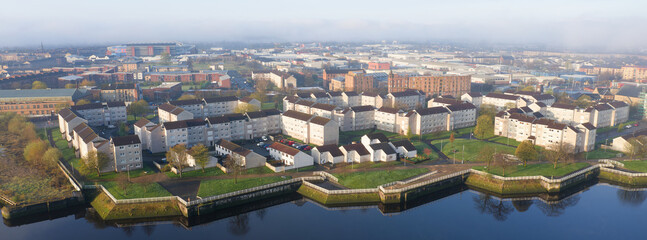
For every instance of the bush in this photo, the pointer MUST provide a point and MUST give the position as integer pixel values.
(166, 168)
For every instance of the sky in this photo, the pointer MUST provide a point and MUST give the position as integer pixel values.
(607, 25)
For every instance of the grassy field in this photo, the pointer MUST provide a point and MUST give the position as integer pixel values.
(208, 172)
(222, 186)
(371, 165)
(446, 134)
(598, 154)
(110, 211)
(136, 190)
(638, 166)
(543, 169)
(376, 178)
(472, 148)
(267, 105)
(303, 169)
(505, 140)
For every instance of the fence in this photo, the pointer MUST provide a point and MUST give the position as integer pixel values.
(428, 182)
(254, 189)
(69, 176)
(410, 180)
(326, 175)
(615, 163)
(345, 191)
(623, 173)
(135, 200)
(7, 200)
(542, 178)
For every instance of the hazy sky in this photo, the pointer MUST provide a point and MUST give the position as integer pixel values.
(619, 24)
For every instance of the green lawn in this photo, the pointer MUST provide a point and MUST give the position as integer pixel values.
(372, 165)
(222, 186)
(136, 190)
(505, 140)
(472, 148)
(376, 178)
(303, 169)
(542, 169)
(214, 171)
(598, 154)
(267, 105)
(638, 166)
(447, 134)
(355, 136)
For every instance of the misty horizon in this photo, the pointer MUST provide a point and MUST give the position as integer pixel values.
(617, 26)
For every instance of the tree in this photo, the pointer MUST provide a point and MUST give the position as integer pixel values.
(123, 129)
(510, 105)
(526, 151)
(187, 97)
(559, 153)
(201, 155)
(96, 161)
(486, 155)
(409, 134)
(70, 85)
(165, 58)
(635, 147)
(501, 160)
(34, 151)
(178, 157)
(138, 108)
(86, 83)
(82, 102)
(51, 157)
(243, 108)
(484, 127)
(583, 101)
(451, 138)
(487, 109)
(123, 183)
(234, 164)
(528, 89)
(38, 85)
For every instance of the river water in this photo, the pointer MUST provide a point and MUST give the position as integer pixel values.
(598, 212)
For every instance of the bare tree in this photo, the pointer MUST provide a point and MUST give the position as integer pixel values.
(235, 164)
(501, 160)
(178, 157)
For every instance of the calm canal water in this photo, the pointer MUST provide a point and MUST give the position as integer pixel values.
(598, 212)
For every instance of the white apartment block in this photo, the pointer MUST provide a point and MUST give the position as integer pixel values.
(410, 99)
(102, 114)
(250, 159)
(474, 98)
(428, 120)
(386, 119)
(462, 115)
(356, 118)
(442, 102)
(502, 101)
(372, 99)
(170, 113)
(544, 132)
(600, 115)
(194, 106)
(127, 152)
(289, 156)
(309, 128)
(217, 106)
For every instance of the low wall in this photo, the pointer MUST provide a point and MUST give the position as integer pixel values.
(17, 211)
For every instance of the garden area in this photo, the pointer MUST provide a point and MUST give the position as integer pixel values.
(373, 179)
(542, 169)
(128, 190)
(637, 166)
(472, 148)
(222, 186)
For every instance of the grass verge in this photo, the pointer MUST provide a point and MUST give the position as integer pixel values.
(542, 169)
(376, 178)
(222, 186)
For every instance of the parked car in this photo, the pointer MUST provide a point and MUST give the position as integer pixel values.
(628, 126)
(260, 144)
(264, 138)
(266, 145)
(283, 140)
(290, 143)
(307, 148)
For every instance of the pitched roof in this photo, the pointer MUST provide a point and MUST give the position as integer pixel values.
(563, 106)
(142, 122)
(284, 148)
(125, 140)
(522, 117)
(351, 94)
(618, 104)
(404, 143)
(502, 96)
(183, 123)
(334, 94)
(362, 108)
(319, 120)
(87, 106)
(245, 99)
(333, 149)
(461, 107)
(588, 126)
(257, 114)
(447, 101)
(320, 95)
(116, 104)
(388, 110)
(406, 93)
(357, 147)
(379, 136)
(384, 147)
(324, 106)
(221, 99)
(186, 102)
(233, 147)
(167, 107)
(271, 112)
(297, 115)
(543, 97)
(433, 110)
(602, 107)
(303, 95)
(526, 109)
(629, 91)
(305, 103)
(475, 94)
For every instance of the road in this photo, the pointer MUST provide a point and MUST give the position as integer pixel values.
(610, 135)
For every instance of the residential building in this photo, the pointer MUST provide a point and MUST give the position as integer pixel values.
(290, 157)
(217, 106)
(405, 100)
(405, 149)
(170, 113)
(356, 118)
(358, 81)
(264, 122)
(309, 128)
(428, 120)
(372, 99)
(504, 101)
(194, 106)
(475, 98)
(621, 143)
(246, 103)
(442, 102)
(385, 119)
(327, 154)
(67, 121)
(249, 158)
(127, 152)
(120, 93)
(355, 152)
(462, 115)
(454, 85)
(102, 114)
(351, 99)
(164, 92)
